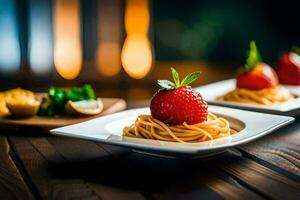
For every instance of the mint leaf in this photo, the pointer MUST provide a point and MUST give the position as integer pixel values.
(296, 50)
(253, 57)
(175, 77)
(168, 85)
(190, 78)
(165, 84)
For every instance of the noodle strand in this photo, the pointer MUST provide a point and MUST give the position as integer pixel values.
(268, 96)
(147, 127)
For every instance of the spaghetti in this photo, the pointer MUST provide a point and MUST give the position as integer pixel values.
(147, 127)
(268, 96)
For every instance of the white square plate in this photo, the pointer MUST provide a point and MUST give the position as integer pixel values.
(210, 93)
(108, 129)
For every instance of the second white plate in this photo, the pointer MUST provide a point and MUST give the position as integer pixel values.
(210, 93)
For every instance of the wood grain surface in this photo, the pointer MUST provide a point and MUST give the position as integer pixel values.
(111, 105)
(262, 179)
(280, 150)
(71, 173)
(12, 184)
(90, 170)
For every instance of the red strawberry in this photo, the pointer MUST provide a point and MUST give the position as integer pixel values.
(256, 75)
(260, 77)
(177, 103)
(288, 69)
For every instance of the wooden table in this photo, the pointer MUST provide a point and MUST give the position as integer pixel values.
(39, 166)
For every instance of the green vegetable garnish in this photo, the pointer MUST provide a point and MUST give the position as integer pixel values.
(253, 57)
(88, 91)
(58, 97)
(46, 108)
(168, 85)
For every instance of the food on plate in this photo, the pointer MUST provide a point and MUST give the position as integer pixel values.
(18, 92)
(85, 107)
(288, 69)
(74, 101)
(257, 83)
(77, 101)
(23, 106)
(18, 102)
(3, 108)
(179, 114)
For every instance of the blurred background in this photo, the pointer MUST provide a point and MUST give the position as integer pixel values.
(123, 47)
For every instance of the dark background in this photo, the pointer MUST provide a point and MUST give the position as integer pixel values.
(220, 31)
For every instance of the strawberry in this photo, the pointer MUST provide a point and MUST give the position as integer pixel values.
(260, 77)
(288, 69)
(256, 75)
(177, 103)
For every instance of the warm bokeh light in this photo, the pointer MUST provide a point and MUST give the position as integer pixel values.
(67, 47)
(108, 58)
(137, 17)
(136, 54)
(108, 52)
(10, 55)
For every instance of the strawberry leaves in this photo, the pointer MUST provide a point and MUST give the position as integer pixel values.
(190, 78)
(253, 57)
(175, 77)
(168, 85)
(296, 50)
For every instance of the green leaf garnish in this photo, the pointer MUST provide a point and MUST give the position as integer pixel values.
(253, 57)
(175, 77)
(190, 78)
(57, 98)
(168, 85)
(296, 49)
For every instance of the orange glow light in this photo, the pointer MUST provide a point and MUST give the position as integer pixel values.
(136, 54)
(108, 60)
(137, 17)
(67, 47)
